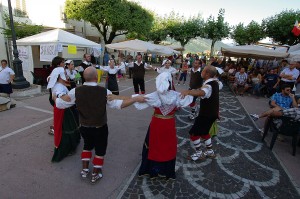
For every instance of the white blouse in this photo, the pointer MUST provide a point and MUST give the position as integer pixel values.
(111, 70)
(165, 102)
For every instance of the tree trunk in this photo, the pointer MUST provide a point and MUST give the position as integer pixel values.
(212, 48)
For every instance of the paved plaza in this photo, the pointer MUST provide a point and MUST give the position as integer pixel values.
(244, 167)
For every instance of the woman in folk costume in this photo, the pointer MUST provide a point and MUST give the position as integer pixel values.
(160, 147)
(71, 73)
(167, 67)
(66, 137)
(111, 81)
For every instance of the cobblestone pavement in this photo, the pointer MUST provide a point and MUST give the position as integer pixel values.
(244, 167)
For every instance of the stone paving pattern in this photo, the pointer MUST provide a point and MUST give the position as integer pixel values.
(244, 167)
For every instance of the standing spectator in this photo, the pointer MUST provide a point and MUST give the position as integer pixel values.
(289, 75)
(130, 64)
(184, 70)
(240, 81)
(138, 74)
(7, 75)
(106, 58)
(271, 81)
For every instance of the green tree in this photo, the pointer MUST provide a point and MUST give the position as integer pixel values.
(22, 29)
(250, 34)
(239, 34)
(217, 29)
(185, 30)
(279, 27)
(111, 17)
(158, 30)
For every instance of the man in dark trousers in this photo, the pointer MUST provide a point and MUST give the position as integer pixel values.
(195, 83)
(138, 74)
(208, 113)
(91, 101)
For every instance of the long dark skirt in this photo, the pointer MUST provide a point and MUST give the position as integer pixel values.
(112, 84)
(70, 136)
(154, 168)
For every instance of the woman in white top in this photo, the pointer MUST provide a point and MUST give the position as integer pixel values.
(6, 77)
(111, 80)
(71, 73)
(66, 136)
(167, 67)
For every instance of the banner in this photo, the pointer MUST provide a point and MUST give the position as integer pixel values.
(24, 57)
(72, 49)
(48, 52)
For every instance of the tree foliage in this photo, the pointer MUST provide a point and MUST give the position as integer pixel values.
(22, 29)
(279, 27)
(111, 17)
(216, 29)
(250, 34)
(176, 27)
(185, 30)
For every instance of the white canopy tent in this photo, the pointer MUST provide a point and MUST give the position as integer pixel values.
(142, 46)
(30, 49)
(57, 36)
(251, 51)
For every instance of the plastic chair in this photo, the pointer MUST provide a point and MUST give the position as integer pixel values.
(288, 128)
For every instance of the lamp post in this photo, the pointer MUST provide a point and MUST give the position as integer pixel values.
(19, 80)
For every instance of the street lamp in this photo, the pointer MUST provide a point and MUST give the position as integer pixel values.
(19, 80)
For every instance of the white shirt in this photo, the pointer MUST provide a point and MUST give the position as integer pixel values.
(288, 71)
(129, 64)
(145, 65)
(63, 104)
(70, 74)
(207, 88)
(110, 70)
(5, 74)
(59, 90)
(171, 70)
(165, 102)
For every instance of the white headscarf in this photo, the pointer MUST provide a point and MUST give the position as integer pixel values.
(167, 97)
(57, 72)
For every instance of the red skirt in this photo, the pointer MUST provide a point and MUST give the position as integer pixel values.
(162, 137)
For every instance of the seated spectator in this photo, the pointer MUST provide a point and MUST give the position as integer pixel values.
(241, 81)
(280, 101)
(256, 80)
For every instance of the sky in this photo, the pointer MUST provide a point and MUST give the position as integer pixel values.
(236, 11)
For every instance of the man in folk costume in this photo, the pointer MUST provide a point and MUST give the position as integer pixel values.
(208, 113)
(195, 83)
(138, 74)
(86, 63)
(66, 137)
(91, 101)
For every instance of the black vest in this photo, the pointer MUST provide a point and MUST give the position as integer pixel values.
(91, 105)
(209, 107)
(196, 79)
(138, 71)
